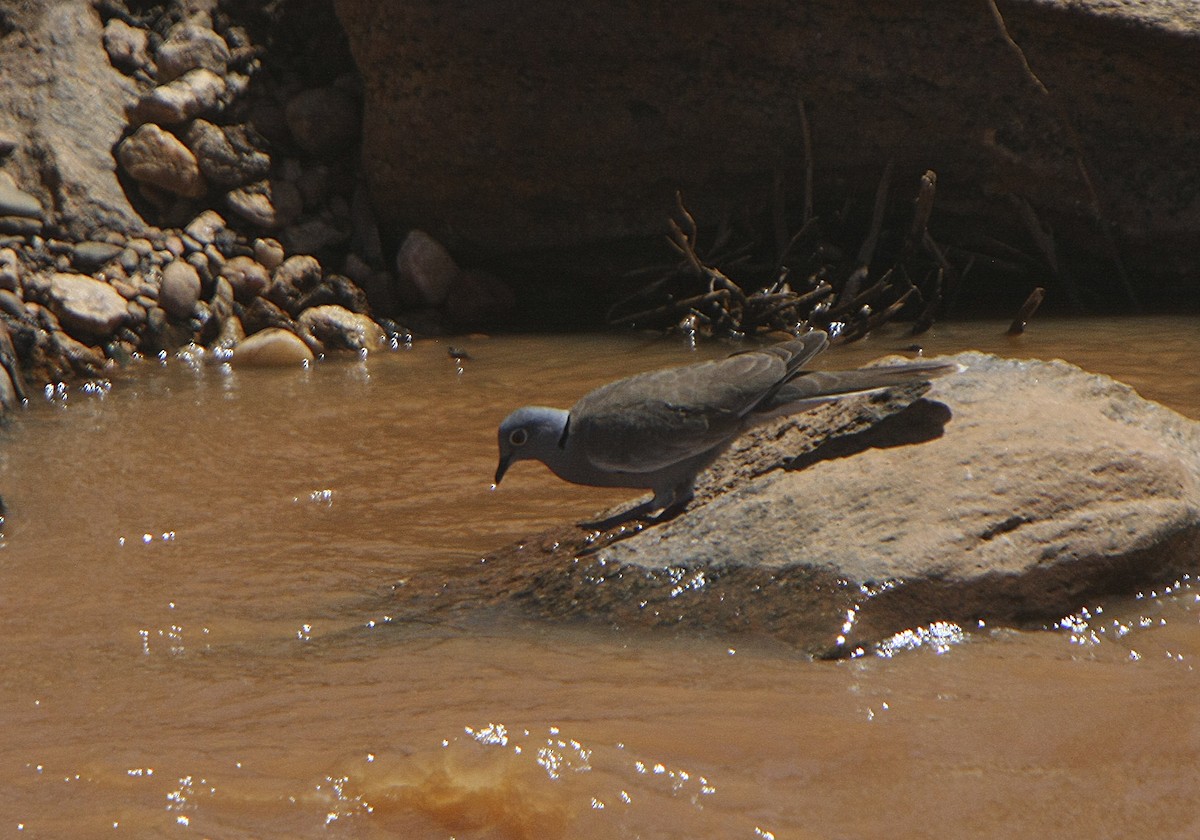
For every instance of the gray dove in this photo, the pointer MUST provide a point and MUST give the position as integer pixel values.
(658, 430)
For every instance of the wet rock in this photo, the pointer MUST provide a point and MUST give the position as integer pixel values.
(89, 257)
(180, 290)
(206, 227)
(272, 347)
(424, 270)
(1013, 493)
(127, 46)
(16, 202)
(336, 327)
(269, 252)
(228, 156)
(192, 94)
(189, 46)
(156, 157)
(261, 313)
(477, 299)
(323, 121)
(246, 277)
(266, 204)
(337, 290)
(88, 309)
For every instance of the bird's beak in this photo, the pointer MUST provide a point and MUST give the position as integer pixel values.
(502, 468)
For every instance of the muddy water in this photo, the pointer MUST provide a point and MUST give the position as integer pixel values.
(195, 640)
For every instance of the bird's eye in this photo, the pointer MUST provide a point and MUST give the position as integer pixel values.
(518, 437)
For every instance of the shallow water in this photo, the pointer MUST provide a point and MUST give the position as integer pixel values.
(195, 574)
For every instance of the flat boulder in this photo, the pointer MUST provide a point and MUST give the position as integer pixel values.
(1013, 493)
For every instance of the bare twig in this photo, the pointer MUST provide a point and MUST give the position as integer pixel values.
(1026, 312)
(1076, 143)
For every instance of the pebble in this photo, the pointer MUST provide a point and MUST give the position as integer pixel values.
(425, 270)
(301, 272)
(194, 93)
(14, 201)
(266, 204)
(180, 290)
(189, 46)
(338, 327)
(269, 253)
(155, 156)
(323, 121)
(10, 270)
(87, 308)
(205, 227)
(88, 257)
(247, 279)
(127, 46)
(272, 347)
(227, 156)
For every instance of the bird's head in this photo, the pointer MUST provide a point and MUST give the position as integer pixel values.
(533, 432)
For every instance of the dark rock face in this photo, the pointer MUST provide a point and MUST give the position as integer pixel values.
(524, 125)
(1012, 493)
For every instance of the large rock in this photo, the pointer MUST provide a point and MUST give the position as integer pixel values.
(65, 104)
(1012, 493)
(575, 125)
(155, 156)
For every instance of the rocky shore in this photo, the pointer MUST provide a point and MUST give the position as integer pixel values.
(164, 182)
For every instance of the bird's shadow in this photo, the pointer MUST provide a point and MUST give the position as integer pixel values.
(920, 422)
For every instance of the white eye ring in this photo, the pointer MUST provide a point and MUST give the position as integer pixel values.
(518, 437)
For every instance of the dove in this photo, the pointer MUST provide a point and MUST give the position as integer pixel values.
(659, 430)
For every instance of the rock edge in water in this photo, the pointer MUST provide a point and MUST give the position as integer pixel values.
(1013, 493)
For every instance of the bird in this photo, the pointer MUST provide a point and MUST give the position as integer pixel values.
(659, 430)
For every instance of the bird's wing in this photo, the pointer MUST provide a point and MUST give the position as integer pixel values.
(651, 421)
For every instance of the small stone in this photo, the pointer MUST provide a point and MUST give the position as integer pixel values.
(156, 157)
(272, 347)
(90, 256)
(16, 202)
(246, 277)
(87, 308)
(261, 313)
(10, 270)
(142, 246)
(194, 93)
(189, 46)
(12, 305)
(301, 272)
(269, 253)
(126, 46)
(180, 290)
(425, 270)
(323, 121)
(205, 227)
(227, 155)
(267, 204)
(129, 259)
(337, 327)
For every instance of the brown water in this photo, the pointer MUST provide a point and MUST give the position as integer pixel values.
(194, 637)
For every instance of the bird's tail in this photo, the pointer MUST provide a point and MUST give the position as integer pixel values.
(815, 387)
